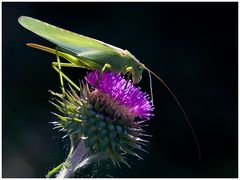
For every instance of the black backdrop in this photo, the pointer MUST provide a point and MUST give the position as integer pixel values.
(192, 46)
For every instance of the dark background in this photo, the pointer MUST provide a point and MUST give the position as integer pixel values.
(192, 46)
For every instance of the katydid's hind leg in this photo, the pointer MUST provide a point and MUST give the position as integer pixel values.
(57, 66)
(66, 78)
(65, 65)
(101, 72)
(60, 74)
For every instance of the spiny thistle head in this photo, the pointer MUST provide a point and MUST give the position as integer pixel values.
(107, 117)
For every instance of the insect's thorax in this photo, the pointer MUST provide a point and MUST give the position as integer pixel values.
(119, 61)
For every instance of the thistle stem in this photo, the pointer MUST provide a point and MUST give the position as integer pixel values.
(72, 161)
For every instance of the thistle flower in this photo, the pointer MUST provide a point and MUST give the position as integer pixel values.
(130, 98)
(105, 121)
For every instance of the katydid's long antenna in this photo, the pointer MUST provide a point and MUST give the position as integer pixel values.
(186, 117)
(150, 81)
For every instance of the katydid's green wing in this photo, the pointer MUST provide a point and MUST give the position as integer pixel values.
(65, 39)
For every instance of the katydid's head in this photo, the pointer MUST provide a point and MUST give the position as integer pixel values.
(137, 73)
(137, 67)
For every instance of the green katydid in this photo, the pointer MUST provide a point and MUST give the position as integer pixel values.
(85, 52)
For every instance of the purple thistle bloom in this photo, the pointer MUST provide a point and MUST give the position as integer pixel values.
(103, 121)
(132, 98)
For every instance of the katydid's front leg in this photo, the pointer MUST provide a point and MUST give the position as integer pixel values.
(129, 71)
(101, 72)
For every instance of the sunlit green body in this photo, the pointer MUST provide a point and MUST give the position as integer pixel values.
(90, 53)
